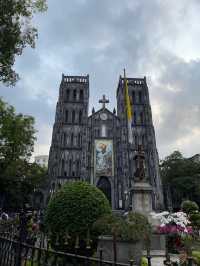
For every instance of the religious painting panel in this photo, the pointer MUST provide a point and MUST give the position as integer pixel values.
(103, 157)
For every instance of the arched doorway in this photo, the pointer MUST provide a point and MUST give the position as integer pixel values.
(105, 186)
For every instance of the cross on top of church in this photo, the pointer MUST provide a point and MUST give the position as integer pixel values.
(104, 101)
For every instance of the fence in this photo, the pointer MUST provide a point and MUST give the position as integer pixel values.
(14, 253)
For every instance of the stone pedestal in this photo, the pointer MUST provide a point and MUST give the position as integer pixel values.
(126, 250)
(142, 202)
(158, 242)
(141, 195)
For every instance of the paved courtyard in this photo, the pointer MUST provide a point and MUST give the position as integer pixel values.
(158, 257)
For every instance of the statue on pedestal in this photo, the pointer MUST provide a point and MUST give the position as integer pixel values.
(141, 190)
(140, 165)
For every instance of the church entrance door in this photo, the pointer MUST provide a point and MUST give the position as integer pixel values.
(105, 186)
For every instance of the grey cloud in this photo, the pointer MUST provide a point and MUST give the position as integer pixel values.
(101, 38)
(177, 89)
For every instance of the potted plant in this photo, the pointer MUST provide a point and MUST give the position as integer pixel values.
(177, 227)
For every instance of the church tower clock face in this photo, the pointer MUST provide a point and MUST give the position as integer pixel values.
(103, 116)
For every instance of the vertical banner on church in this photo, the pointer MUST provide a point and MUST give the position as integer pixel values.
(103, 157)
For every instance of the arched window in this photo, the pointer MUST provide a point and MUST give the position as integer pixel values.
(66, 116)
(72, 139)
(135, 118)
(143, 140)
(141, 118)
(133, 96)
(64, 139)
(62, 167)
(67, 95)
(79, 139)
(73, 116)
(103, 130)
(70, 167)
(136, 141)
(80, 116)
(140, 97)
(81, 95)
(77, 167)
(89, 146)
(74, 95)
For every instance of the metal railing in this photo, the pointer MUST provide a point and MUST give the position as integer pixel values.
(14, 253)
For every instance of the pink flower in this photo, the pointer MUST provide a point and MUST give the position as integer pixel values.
(174, 229)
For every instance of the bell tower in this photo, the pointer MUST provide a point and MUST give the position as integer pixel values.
(67, 157)
(143, 136)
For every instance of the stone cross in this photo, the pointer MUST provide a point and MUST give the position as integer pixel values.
(104, 101)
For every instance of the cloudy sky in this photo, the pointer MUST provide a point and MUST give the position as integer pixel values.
(159, 39)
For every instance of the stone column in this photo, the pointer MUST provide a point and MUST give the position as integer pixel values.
(141, 197)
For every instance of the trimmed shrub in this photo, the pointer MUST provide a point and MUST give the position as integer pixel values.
(189, 206)
(111, 224)
(74, 208)
(195, 219)
(139, 227)
(135, 226)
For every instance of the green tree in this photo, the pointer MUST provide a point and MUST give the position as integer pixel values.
(192, 210)
(181, 179)
(16, 33)
(18, 177)
(20, 186)
(189, 207)
(17, 136)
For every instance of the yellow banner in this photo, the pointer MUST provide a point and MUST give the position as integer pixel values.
(128, 109)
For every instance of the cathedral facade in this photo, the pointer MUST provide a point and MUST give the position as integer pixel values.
(95, 148)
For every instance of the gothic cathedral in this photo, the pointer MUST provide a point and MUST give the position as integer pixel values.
(95, 147)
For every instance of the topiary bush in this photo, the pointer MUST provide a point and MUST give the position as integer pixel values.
(135, 226)
(192, 210)
(111, 224)
(139, 227)
(74, 209)
(189, 206)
